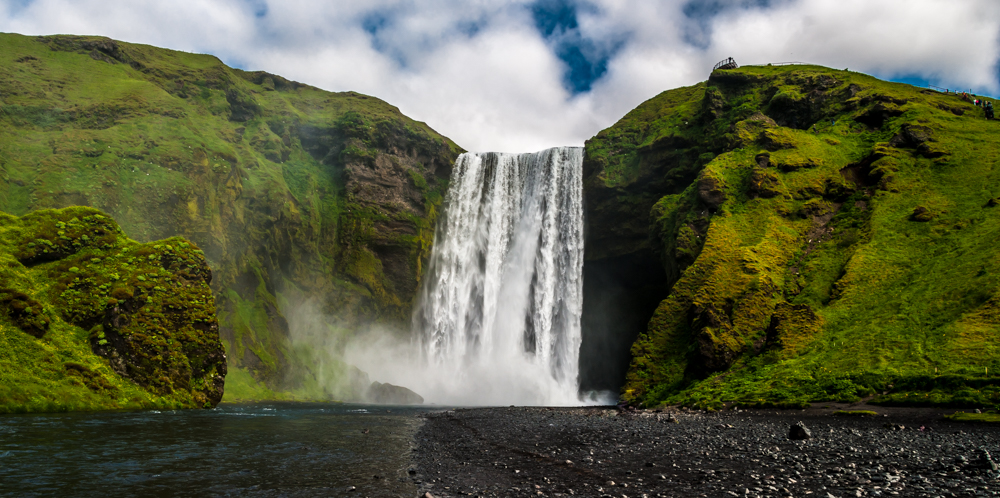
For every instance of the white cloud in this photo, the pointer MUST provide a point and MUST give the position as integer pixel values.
(954, 43)
(479, 72)
(182, 25)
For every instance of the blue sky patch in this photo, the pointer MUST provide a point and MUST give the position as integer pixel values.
(553, 17)
(913, 79)
(377, 23)
(586, 60)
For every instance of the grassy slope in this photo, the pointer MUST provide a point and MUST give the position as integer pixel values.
(90, 319)
(797, 280)
(264, 174)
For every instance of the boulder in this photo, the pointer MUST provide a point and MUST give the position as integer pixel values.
(388, 394)
(799, 431)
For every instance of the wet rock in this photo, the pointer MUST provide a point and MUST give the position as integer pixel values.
(388, 394)
(799, 432)
(358, 383)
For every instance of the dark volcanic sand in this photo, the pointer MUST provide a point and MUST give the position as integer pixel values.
(604, 452)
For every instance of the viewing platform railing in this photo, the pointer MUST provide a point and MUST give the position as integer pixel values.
(729, 63)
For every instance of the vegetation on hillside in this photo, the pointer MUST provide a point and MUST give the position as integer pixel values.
(296, 195)
(826, 235)
(90, 319)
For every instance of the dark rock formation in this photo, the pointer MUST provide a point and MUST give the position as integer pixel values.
(388, 394)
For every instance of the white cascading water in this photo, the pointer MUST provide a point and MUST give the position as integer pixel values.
(498, 319)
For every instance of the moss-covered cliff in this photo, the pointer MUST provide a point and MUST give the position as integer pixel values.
(90, 319)
(823, 235)
(295, 194)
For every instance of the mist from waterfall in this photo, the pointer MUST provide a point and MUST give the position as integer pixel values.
(498, 318)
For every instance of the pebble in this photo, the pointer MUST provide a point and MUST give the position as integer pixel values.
(476, 450)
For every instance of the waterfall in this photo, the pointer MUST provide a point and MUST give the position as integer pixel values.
(498, 316)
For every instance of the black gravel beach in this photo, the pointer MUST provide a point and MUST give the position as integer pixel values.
(603, 451)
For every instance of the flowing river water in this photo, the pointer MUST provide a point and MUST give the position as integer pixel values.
(265, 449)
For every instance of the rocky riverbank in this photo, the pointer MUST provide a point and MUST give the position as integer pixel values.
(605, 452)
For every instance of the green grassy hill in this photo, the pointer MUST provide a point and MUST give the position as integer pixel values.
(825, 236)
(295, 194)
(90, 319)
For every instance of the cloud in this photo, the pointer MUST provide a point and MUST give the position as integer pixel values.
(525, 75)
(954, 44)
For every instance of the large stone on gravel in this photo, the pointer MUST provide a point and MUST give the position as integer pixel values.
(986, 461)
(388, 394)
(799, 431)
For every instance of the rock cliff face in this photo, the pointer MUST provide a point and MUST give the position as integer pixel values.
(818, 235)
(296, 195)
(90, 319)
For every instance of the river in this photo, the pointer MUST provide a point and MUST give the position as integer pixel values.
(263, 449)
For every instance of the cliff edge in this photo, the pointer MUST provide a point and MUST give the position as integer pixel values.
(822, 235)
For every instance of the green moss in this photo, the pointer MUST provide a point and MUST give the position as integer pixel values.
(799, 270)
(242, 386)
(987, 417)
(855, 413)
(259, 171)
(93, 320)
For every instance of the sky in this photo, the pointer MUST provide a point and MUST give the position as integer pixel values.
(521, 76)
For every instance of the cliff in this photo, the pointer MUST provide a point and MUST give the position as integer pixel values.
(818, 235)
(90, 319)
(299, 198)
